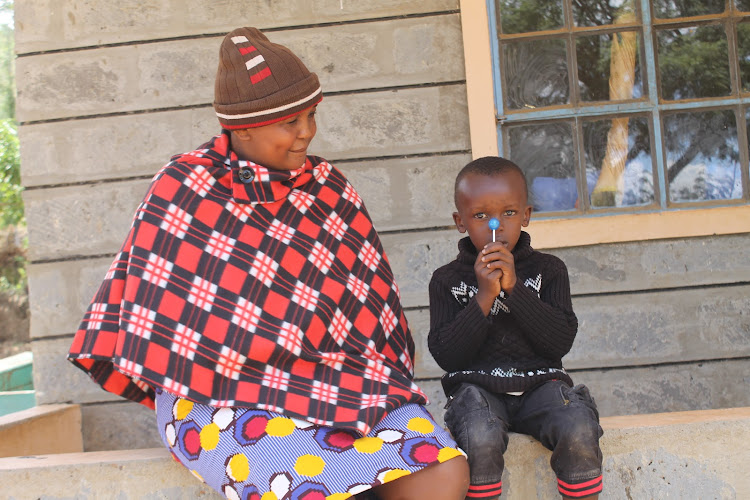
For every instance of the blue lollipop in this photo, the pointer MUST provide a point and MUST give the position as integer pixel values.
(494, 224)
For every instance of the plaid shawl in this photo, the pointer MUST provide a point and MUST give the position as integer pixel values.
(239, 285)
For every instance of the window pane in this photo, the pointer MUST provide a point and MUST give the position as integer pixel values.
(545, 153)
(599, 13)
(703, 159)
(743, 53)
(743, 5)
(686, 8)
(522, 16)
(693, 62)
(619, 166)
(609, 67)
(535, 73)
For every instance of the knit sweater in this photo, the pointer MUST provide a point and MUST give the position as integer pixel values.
(521, 342)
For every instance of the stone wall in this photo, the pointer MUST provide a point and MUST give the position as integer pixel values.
(108, 91)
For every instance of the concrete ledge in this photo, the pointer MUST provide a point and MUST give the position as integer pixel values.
(44, 429)
(695, 454)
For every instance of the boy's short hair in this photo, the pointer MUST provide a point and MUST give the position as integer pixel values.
(489, 166)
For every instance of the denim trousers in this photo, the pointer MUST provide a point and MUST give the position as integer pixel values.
(563, 418)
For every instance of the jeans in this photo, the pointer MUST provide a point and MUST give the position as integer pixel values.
(564, 419)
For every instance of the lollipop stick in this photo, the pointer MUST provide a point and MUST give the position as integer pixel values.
(494, 224)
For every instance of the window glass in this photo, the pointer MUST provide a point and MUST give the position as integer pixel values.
(693, 62)
(609, 66)
(523, 16)
(600, 13)
(743, 53)
(687, 8)
(625, 105)
(703, 160)
(619, 165)
(536, 73)
(545, 152)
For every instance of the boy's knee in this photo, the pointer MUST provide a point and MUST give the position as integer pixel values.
(478, 431)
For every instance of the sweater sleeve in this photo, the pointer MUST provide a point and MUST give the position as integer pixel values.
(547, 319)
(457, 331)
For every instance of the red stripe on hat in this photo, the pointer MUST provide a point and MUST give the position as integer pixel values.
(247, 50)
(268, 122)
(260, 75)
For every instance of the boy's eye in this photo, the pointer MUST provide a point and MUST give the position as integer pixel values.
(480, 215)
(509, 213)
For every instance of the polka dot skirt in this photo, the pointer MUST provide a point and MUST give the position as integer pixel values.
(250, 454)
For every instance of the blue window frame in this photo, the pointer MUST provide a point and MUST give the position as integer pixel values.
(624, 105)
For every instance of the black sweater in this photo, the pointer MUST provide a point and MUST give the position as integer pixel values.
(522, 341)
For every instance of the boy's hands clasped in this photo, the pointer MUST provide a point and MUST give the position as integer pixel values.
(496, 271)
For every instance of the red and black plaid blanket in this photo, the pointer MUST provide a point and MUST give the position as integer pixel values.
(243, 286)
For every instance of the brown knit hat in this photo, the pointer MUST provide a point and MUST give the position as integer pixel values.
(259, 82)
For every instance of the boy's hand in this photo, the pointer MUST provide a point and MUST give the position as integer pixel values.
(496, 271)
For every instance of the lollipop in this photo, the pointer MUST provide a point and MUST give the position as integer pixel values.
(494, 224)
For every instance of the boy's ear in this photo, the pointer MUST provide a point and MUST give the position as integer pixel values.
(526, 216)
(459, 224)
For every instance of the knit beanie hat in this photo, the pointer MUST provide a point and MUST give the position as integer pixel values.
(259, 82)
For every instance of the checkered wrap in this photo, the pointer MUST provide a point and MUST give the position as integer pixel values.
(273, 294)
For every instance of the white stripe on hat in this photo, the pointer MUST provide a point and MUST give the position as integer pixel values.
(239, 39)
(254, 62)
(270, 111)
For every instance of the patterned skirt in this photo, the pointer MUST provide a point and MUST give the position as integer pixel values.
(247, 454)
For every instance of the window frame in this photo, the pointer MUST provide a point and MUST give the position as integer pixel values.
(589, 229)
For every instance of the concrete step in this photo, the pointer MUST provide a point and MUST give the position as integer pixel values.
(41, 430)
(695, 454)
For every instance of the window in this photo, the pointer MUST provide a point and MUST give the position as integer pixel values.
(662, 155)
(624, 105)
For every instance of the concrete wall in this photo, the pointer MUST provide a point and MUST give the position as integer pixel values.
(108, 91)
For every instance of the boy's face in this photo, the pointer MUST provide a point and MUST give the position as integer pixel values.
(481, 197)
(281, 145)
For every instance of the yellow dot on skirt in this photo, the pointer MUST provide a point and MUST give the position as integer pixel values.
(368, 444)
(448, 453)
(419, 424)
(309, 465)
(394, 474)
(280, 426)
(210, 436)
(269, 496)
(339, 496)
(182, 408)
(238, 469)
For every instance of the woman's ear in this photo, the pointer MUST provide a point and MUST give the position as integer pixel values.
(242, 134)
(459, 223)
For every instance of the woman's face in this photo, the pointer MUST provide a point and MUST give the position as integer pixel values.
(281, 145)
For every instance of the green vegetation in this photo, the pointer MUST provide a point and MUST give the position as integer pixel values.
(12, 222)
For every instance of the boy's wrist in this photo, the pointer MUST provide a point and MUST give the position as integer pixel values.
(484, 301)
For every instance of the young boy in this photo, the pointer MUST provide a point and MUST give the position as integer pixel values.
(501, 319)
